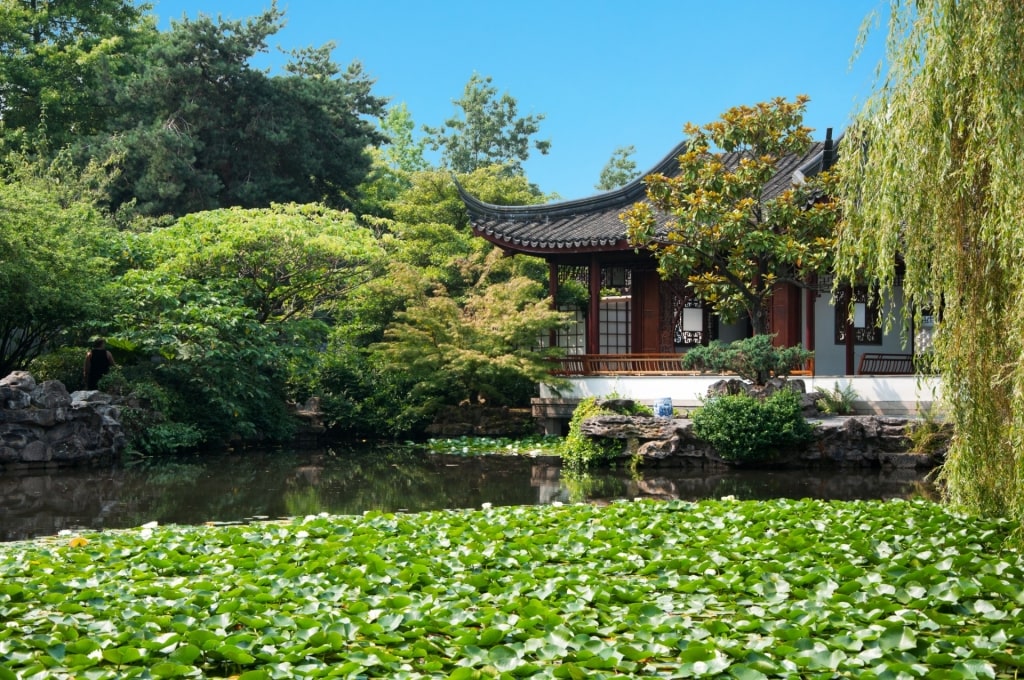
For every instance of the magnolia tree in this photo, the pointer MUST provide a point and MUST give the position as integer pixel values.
(726, 238)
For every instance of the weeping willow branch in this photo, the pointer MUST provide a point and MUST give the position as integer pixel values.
(931, 174)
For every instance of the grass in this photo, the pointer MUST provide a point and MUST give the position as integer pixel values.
(747, 590)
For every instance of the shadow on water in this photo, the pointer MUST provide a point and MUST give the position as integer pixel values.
(238, 487)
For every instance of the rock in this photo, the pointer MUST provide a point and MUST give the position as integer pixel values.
(838, 440)
(41, 424)
(19, 380)
(51, 394)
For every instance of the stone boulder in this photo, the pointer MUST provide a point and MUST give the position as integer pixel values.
(41, 424)
(857, 441)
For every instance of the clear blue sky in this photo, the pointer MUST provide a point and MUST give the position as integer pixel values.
(604, 74)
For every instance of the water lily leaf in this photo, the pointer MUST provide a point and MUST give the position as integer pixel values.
(899, 638)
(122, 655)
(235, 654)
(167, 669)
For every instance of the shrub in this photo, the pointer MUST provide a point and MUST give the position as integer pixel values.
(754, 359)
(580, 451)
(838, 401)
(744, 428)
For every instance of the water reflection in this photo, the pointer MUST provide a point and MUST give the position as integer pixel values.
(237, 487)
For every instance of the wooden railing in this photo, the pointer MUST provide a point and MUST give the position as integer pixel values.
(631, 364)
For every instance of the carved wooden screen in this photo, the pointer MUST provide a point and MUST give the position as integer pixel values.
(864, 306)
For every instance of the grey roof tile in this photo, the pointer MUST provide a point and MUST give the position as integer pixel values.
(592, 224)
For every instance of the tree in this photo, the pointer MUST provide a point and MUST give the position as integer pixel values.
(199, 129)
(730, 241)
(489, 131)
(619, 171)
(932, 177)
(283, 262)
(402, 152)
(235, 303)
(472, 350)
(56, 261)
(56, 58)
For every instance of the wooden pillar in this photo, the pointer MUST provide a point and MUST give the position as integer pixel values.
(851, 340)
(553, 292)
(810, 298)
(594, 311)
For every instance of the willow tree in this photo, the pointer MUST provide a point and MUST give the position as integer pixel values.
(932, 176)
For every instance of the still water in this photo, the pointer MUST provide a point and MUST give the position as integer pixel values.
(238, 487)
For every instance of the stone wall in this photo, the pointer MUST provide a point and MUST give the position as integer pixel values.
(838, 440)
(42, 425)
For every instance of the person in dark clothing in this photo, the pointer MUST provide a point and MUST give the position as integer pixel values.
(98, 361)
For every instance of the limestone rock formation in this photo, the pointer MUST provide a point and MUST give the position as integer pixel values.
(41, 424)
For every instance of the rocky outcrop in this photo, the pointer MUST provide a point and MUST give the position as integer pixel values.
(41, 424)
(838, 440)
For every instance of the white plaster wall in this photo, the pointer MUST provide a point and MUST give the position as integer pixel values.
(830, 358)
(896, 395)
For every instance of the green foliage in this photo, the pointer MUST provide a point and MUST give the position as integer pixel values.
(744, 428)
(63, 364)
(196, 127)
(838, 401)
(935, 181)
(475, 349)
(284, 262)
(730, 243)
(488, 131)
(929, 435)
(755, 359)
(56, 61)
(580, 451)
(148, 414)
(619, 171)
(798, 588)
(57, 254)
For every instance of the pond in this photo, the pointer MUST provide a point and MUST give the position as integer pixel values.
(237, 487)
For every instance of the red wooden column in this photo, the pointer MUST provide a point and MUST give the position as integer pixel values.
(553, 292)
(594, 311)
(810, 298)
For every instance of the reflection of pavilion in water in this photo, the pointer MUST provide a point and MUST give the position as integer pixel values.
(547, 479)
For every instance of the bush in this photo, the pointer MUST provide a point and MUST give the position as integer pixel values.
(837, 401)
(580, 451)
(744, 428)
(754, 359)
(63, 364)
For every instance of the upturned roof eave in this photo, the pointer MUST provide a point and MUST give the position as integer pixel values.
(625, 195)
(554, 247)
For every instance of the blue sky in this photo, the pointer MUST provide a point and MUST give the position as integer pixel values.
(604, 74)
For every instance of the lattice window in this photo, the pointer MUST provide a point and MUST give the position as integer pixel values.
(571, 299)
(689, 321)
(616, 329)
(866, 328)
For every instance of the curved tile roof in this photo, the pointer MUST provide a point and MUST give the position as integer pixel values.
(592, 224)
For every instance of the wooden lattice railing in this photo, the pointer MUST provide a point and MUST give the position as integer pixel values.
(629, 364)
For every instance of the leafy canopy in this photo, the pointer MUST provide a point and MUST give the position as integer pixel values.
(56, 60)
(714, 226)
(935, 179)
(57, 256)
(619, 171)
(197, 128)
(488, 131)
(285, 261)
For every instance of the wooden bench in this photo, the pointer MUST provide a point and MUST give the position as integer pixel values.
(886, 364)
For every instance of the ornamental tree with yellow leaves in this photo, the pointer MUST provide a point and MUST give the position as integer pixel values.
(713, 224)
